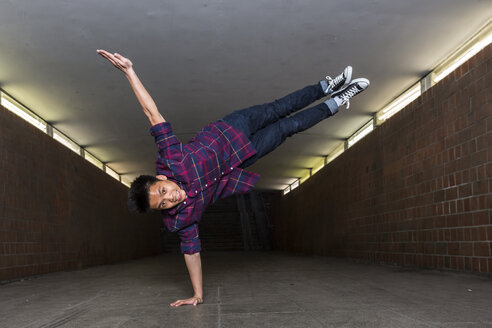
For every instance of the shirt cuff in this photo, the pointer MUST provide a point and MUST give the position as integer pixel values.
(191, 247)
(160, 129)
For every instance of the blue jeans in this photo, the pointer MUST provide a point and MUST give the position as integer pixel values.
(267, 125)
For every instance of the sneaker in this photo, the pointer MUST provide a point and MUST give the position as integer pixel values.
(332, 85)
(343, 96)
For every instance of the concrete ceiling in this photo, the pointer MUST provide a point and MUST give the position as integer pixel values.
(201, 59)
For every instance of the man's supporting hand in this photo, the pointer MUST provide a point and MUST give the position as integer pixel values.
(190, 301)
(194, 265)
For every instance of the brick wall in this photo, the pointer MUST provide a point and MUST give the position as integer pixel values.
(417, 191)
(58, 211)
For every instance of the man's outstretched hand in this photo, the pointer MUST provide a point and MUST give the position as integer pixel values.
(120, 62)
(190, 301)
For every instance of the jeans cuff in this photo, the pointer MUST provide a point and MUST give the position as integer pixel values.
(332, 106)
(324, 86)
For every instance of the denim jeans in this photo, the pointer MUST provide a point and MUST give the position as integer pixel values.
(267, 125)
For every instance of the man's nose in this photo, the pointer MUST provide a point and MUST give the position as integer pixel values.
(168, 196)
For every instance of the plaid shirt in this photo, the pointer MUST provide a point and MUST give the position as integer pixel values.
(206, 168)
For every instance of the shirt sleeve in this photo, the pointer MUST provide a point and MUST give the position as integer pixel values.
(190, 241)
(168, 145)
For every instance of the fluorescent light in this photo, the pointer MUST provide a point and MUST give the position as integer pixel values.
(125, 181)
(64, 140)
(365, 130)
(111, 172)
(470, 53)
(319, 166)
(89, 157)
(476, 43)
(335, 153)
(399, 103)
(294, 185)
(22, 112)
(286, 190)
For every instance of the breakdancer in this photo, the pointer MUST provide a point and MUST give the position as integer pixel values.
(211, 165)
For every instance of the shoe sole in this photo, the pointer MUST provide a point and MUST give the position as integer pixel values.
(349, 75)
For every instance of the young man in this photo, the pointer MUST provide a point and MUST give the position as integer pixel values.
(210, 166)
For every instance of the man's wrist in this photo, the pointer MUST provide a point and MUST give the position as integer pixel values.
(130, 72)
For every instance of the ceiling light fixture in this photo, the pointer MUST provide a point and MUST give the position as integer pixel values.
(476, 43)
(93, 160)
(22, 112)
(111, 172)
(399, 103)
(64, 140)
(365, 130)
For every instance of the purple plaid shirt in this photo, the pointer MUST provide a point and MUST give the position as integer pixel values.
(206, 168)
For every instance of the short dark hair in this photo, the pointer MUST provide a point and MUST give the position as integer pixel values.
(138, 195)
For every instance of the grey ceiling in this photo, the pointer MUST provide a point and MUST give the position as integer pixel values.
(201, 59)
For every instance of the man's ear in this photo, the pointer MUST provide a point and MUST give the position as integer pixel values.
(161, 177)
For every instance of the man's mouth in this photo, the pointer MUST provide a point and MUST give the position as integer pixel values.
(177, 196)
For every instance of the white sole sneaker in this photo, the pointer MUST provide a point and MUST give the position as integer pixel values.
(339, 81)
(354, 88)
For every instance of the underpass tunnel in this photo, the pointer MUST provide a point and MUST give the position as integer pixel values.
(379, 217)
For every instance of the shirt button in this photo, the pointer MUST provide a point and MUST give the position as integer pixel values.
(206, 185)
(196, 191)
(215, 179)
(184, 203)
(232, 168)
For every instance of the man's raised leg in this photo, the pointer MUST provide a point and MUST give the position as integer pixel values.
(255, 118)
(270, 137)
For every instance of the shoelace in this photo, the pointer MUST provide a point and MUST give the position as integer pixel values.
(349, 93)
(334, 82)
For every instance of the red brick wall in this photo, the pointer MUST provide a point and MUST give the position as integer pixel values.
(417, 191)
(58, 211)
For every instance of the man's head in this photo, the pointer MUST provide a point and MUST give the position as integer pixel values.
(157, 193)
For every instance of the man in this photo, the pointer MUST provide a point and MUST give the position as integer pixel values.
(210, 166)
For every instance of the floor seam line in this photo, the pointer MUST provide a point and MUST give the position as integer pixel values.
(219, 315)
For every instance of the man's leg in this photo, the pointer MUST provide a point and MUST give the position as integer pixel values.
(255, 118)
(270, 137)
(251, 119)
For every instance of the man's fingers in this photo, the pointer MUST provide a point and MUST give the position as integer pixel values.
(107, 55)
(119, 62)
(103, 52)
(116, 59)
(113, 60)
(177, 303)
(191, 301)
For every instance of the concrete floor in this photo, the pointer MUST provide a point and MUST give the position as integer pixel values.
(249, 290)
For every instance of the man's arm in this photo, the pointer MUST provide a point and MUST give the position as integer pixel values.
(144, 98)
(194, 265)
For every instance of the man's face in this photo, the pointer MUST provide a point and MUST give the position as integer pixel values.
(165, 194)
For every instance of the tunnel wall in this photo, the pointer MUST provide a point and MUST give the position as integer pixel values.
(58, 211)
(417, 191)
